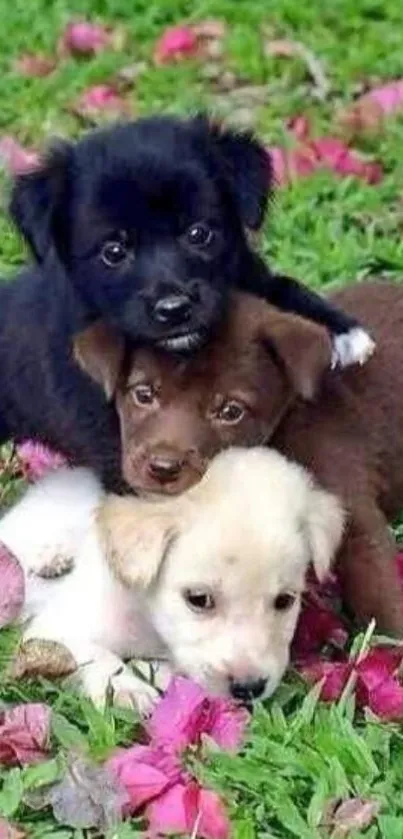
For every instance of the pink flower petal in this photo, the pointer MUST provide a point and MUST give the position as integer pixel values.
(176, 43)
(24, 734)
(317, 626)
(36, 460)
(186, 712)
(378, 665)
(15, 158)
(34, 65)
(189, 809)
(12, 587)
(82, 37)
(99, 101)
(388, 96)
(386, 700)
(334, 673)
(145, 772)
(11, 831)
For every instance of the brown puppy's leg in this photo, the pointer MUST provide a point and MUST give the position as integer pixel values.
(368, 571)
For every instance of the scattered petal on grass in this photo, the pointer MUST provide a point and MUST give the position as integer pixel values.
(101, 102)
(309, 155)
(81, 37)
(24, 734)
(369, 111)
(87, 797)
(15, 158)
(36, 460)
(12, 587)
(318, 626)
(126, 77)
(353, 815)
(191, 810)
(186, 713)
(34, 65)
(334, 675)
(176, 43)
(11, 831)
(145, 772)
(202, 40)
(295, 49)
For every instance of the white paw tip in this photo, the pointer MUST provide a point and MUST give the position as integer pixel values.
(353, 347)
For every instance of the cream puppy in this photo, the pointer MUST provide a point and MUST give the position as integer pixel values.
(209, 581)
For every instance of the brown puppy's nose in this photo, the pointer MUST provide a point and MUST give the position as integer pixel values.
(164, 469)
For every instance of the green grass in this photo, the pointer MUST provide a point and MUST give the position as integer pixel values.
(326, 231)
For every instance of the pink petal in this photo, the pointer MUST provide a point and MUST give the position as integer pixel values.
(176, 43)
(15, 158)
(387, 700)
(12, 587)
(24, 734)
(102, 99)
(334, 673)
(186, 712)
(389, 96)
(36, 460)
(335, 155)
(145, 772)
(378, 665)
(82, 37)
(318, 626)
(189, 809)
(11, 831)
(34, 65)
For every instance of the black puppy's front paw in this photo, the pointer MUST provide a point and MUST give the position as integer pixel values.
(353, 347)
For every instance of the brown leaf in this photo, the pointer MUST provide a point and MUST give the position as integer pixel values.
(285, 48)
(11, 831)
(39, 657)
(24, 733)
(34, 64)
(88, 796)
(127, 77)
(352, 815)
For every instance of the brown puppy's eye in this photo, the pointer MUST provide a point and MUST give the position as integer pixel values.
(231, 412)
(200, 235)
(144, 394)
(114, 253)
(199, 600)
(284, 601)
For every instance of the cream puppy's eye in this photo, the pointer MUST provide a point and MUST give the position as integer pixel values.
(284, 601)
(199, 599)
(144, 395)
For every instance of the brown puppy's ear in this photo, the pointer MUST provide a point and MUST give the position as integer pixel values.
(301, 347)
(136, 536)
(99, 351)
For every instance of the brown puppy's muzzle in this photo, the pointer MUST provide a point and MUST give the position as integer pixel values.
(165, 470)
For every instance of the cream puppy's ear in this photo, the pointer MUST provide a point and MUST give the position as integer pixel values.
(324, 528)
(136, 535)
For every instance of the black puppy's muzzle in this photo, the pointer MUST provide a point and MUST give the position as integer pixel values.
(173, 310)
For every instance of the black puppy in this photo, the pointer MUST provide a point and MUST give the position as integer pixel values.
(144, 225)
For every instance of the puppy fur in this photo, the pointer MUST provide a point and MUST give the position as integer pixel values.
(209, 581)
(142, 224)
(265, 378)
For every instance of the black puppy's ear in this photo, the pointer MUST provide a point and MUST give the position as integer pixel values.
(247, 167)
(36, 198)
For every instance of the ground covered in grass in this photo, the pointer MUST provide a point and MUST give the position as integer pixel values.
(307, 769)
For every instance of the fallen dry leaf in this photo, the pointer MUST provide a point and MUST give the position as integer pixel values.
(127, 77)
(34, 64)
(39, 657)
(12, 587)
(87, 797)
(353, 815)
(24, 733)
(101, 103)
(284, 48)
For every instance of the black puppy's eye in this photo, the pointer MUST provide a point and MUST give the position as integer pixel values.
(199, 235)
(144, 394)
(199, 600)
(231, 412)
(284, 601)
(114, 253)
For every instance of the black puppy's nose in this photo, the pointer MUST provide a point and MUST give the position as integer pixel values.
(173, 310)
(247, 691)
(164, 470)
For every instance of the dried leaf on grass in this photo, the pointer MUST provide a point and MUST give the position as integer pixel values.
(35, 65)
(11, 831)
(285, 48)
(39, 657)
(24, 733)
(352, 815)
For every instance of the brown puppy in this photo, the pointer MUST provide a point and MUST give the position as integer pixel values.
(258, 381)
